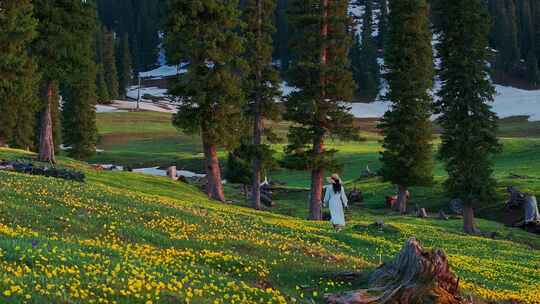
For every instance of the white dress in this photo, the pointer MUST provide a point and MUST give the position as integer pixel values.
(336, 201)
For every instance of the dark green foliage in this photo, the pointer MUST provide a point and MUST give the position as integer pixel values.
(211, 95)
(79, 115)
(281, 37)
(526, 31)
(18, 79)
(383, 23)
(317, 106)
(407, 156)
(363, 54)
(320, 69)
(109, 64)
(536, 14)
(141, 21)
(102, 89)
(237, 169)
(261, 83)
(469, 126)
(533, 73)
(506, 35)
(125, 71)
(66, 57)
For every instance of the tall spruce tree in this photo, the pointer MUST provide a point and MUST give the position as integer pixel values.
(102, 89)
(365, 67)
(320, 70)
(533, 73)
(469, 126)
(17, 73)
(506, 35)
(383, 23)
(205, 34)
(125, 70)
(407, 156)
(79, 114)
(63, 49)
(262, 83)
(526, 30)
(109, 63)
(142, 21)
(281, 37)
(536, 9)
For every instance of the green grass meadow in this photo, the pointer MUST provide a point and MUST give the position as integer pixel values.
(124, 237)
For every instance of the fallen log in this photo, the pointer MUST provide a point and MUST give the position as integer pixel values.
(414, 276)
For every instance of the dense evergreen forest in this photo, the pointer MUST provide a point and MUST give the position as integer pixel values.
(514, 37)
(140, 21)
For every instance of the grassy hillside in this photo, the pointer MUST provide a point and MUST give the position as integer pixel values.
(129, 238)
(144, 139)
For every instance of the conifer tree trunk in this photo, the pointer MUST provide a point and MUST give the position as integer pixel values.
(257, 126)
(468, 219)
(257, 167)
(213, 171)
(2, 142)
(46, 142)
(401, 203)
(317, 175)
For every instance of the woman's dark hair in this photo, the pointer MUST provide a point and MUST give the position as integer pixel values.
(337, 186)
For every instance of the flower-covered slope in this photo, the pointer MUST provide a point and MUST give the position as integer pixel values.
(130, 238)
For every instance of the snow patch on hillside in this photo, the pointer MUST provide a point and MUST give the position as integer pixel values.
(508, 102)
(164, 71)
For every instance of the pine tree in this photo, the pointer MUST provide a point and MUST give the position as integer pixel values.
(407, 156)
(142, 21)
(365, 67)
(204, 34)
(62, 49)
(536, 9)
(125, 72)
(469, 125)
(109, 64)
(533, 73)
(17, 73)
(383, 24)
(79, 115)
(320, 69)
(526, 31)
(505, 35)
(262, 82)
(102, 89)
(281, 37)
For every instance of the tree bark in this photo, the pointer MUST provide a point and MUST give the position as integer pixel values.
(2, 142)
(257, 125)
(401, 203)
(468, 219)
(317, 175)
(46, 140)
(414, 276)
(213, 172)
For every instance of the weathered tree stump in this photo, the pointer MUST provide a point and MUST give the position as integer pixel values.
(531, 210)
(171, 173)
(414, 276)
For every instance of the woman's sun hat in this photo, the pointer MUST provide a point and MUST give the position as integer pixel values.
(333, 179)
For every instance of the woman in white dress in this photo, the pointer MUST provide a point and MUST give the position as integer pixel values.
(335, 198)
